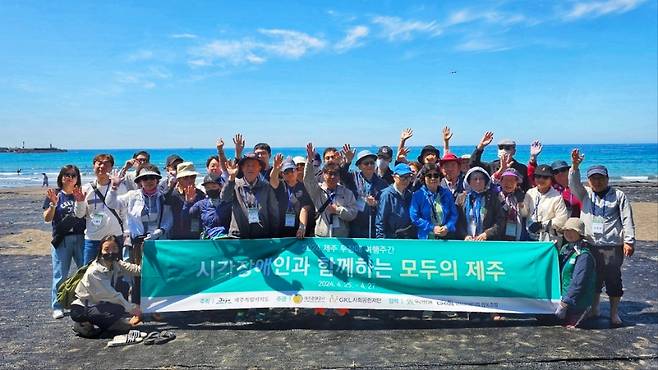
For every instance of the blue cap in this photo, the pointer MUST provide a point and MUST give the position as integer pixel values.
(559, 165)
(402, 169)
(288, 164)
(597, 170)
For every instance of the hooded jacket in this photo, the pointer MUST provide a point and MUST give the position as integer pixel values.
(422, 203)
(494, 218)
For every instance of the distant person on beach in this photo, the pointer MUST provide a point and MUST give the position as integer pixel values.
(18, 171)
(609, 229)
(139, 159)
(68, 230)
(505, 146)
(184, 226)
(546, 209)
(393, 220)
(100, 306)
(45, 180)
(480, 215)
(91, 204)
(366, 186)
(294, 202)
(335, 206)
(433, 209)
(513, 200)
(578, 274)
(560, 178)
(255, 209)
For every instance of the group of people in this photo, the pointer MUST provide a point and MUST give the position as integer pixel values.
(337, 193)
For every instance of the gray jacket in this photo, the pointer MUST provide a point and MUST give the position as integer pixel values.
(260, 195)
(614, 208)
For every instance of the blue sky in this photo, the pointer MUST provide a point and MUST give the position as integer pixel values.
(89, 74)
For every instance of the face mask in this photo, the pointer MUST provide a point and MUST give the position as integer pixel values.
(501, 152)
(214, 193)
(382, 163)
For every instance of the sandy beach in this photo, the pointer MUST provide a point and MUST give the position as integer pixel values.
(23, 232)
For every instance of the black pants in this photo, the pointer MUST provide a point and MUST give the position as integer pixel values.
(102, 315)
(608, 269)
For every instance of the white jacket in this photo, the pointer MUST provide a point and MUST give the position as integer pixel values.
(550, 210)
(96, 285)
(133, 203)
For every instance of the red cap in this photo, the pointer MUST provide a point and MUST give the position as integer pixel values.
(449, 157)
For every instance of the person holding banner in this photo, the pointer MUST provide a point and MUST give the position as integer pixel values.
(366, 186)
(609, 228)
(432, 209)
(334, 204)
(480, 215)
(294, 202)
(393, 220)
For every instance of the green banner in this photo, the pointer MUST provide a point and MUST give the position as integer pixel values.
(434, 275)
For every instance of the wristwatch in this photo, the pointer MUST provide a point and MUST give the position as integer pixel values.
(52, 205)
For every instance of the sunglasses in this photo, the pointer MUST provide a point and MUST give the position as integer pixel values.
(368, 163)
(288, 171)
(542, 177)
(432, 175)
(71, 175)
(329, 157)
(405, 177)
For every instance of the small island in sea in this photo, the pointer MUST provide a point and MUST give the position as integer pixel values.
(23, 149)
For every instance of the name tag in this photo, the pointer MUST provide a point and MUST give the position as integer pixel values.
(510, 229)
(597, 227)
(253, 215)
(97, 219)
(290, 220)
(361, 204)
(336, 223)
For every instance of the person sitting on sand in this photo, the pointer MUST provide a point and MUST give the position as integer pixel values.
(609, 229)
(68, 230)
(99, 306)
(578, 273)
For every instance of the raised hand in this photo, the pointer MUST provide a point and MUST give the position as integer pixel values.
(52, 195)
(487, 138)
(402, 154)
(535, 150)
(406, 134)
(220, 145)
(505, 161)
(348, 153)
(78, 195)
(190, 193)
(576, 158)
(310, 152)
(278, 161)
(129, 163)
(232, 169)
(239, 142)
(115, 178)
(447, 134)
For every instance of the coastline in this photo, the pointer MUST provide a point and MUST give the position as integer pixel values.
(23, 232)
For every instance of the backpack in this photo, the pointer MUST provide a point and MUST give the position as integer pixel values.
(66, 291)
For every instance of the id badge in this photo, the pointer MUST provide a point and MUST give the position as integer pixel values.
(361, 204)
(336, 223)
(253, 215)
(290, 220)
(97, 219)
(597, 226)
(510, 229)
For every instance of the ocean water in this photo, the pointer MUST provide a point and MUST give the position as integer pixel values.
(625, 162)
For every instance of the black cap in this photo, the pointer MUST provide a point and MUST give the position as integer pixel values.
(544, 170)
(429, 149)
(557, 166)
(172, 159)
(597, 170)
(212, 179)
(385, 151)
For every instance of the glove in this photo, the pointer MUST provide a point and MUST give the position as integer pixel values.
(534, 227)
(561, 312)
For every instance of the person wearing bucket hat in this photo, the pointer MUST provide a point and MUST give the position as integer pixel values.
(512, 199)
(211, 212)
(255, 209)
(393, 220)
(384, 158)
(366, 186)
(506, 147)
(609, 229)
(480, 215)
(546, 209)
(185, 191)
(453, 179)
(433, 210)
(148, 216)
(335, 206)
(294, 202)
(429, 154)
(578, 274)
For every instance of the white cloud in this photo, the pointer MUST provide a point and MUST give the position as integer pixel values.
(183, 36)
(280, 43)
(593, 9)
(147, 79)
(352, 39)
(481, 45)
(491, 16)
(140, 55)
(394, 28)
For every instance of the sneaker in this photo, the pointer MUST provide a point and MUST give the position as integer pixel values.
(58, 313)
(427, 315)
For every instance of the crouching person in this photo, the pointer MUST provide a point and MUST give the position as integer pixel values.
(578, 272)
(100, 306)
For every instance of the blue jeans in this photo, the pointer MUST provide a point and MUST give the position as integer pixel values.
(69, 248)
(91, 248)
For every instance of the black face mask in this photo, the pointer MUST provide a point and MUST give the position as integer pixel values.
(111, 256)
(213, 193)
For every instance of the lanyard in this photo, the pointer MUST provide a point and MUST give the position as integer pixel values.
(593, 205)
(363, 186)
(104, 195)
(432, 198)
(535, 211)
(248, 196)
(290, 197)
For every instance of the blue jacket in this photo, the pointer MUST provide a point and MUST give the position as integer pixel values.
(393, 214)
(212, 217)
(421, 211)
